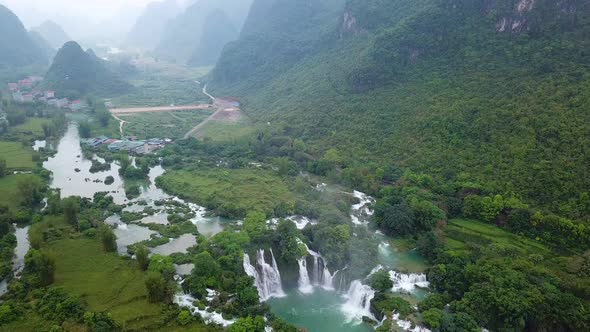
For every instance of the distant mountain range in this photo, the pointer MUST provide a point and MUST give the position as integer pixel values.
(53, 33)
(183, 36)
(18, 48)
(75, 73)
(149, 27)
(218, 30)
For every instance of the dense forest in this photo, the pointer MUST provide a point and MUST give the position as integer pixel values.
(387, 165)
(445, 109)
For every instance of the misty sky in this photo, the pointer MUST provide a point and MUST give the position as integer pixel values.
(94, 9)
(83, 20)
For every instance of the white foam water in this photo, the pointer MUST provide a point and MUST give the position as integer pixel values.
(407, 282)
(358, 302)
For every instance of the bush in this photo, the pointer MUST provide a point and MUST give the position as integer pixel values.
(108, 238)
(184, 318)
(432, 318)
(381, 281)
(7, 315)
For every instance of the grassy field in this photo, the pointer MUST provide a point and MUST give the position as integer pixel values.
(462, 232)
(107, 282)
(33, 127)
(17, 156)
(9, 189)
(219, 131)
(231, 193)
(159, 84)
(163, 125)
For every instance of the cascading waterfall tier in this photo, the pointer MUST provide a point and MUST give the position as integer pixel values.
(361, 212)
(305, 285)
(320, 274)
(267, 277)
(358, 302)
(407, 283)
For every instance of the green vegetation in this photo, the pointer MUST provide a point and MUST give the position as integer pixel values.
(172, 125)
(86, 271)
(32, 127)
(219, 131)
(17, 156)
(75, 73)
(161, 84)
(10, 188)
(231, 193)
(19, 49)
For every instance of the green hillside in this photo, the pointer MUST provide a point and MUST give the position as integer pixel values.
(18, 49)
(217, 32)
(76, 73)
(470, 103)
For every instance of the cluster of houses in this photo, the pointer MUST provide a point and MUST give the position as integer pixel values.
(24, 92)
(127, 144)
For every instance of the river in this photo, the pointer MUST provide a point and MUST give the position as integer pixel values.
(18, 262)
(317, 309)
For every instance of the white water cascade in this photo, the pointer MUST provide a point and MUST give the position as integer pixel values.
(407, 282)
(267, 278)
(186, 301)
(358, 302)
(320, 274)
(362, 211)
(305, 285)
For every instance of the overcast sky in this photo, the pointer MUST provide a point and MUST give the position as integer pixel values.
(94, 9)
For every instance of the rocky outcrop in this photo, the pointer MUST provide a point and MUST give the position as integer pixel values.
(350, 25)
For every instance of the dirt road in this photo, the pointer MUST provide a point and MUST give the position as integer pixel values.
(159, 109)
(223, 113)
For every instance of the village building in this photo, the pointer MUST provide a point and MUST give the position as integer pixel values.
(61, 103)
(26, 83)
(76, 105)
(49, 94)
(28, 98)
(13, 87)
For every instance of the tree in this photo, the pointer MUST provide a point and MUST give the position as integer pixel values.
(29, 189)
(432, 318)
(142, 256)
(158, 288)
(255, 226)
(85, 129)
(394, 219)
(458, 322)
(103, 117)
(163, 265)
(381, 281)
(248, 324)
(41, 266)
(71, 206)
(3, 168)
(286, 235)
(108, 238)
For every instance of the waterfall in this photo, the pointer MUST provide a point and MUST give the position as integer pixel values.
(406, 325)
(358, 302)
(407, 282)
(186, 301)
(267, 278)
(361, 212)
(328, 278)
(305, 286)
